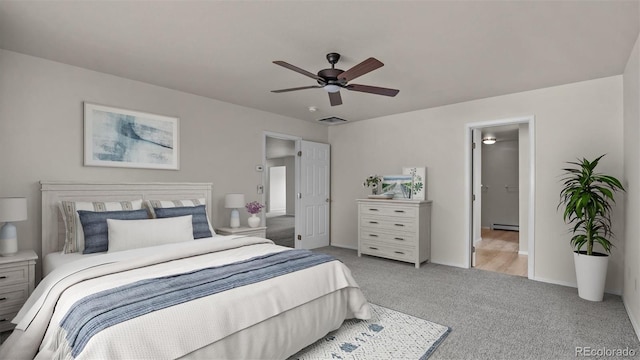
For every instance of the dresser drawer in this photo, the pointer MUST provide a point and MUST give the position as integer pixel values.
(395, 239)
(387, 210)
(14, 275)
(388, 224)
(391, 252)
(6, 315)
(14, 295)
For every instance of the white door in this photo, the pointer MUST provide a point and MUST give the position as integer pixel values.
(477, 191)
(312, 217)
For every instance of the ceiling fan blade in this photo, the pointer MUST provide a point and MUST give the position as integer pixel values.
(297, 88)
(372, 89)
(364, 67)
(335, 99)
(298, 70)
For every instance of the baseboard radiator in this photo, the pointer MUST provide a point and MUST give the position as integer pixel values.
(505, 227)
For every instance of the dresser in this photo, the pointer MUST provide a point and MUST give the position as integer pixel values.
(246, 231)
(395, 229)
(17, 280)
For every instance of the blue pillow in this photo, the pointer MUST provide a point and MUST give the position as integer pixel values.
(96, 232)
(198, 218)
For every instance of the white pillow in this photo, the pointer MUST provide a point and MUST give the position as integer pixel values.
(133, 234)
(74, 239)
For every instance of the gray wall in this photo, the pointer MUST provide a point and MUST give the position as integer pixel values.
(631, 248)
(580, 119)
(41, 134)
(499, 171)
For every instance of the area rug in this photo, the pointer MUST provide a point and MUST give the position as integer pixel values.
(387, 335)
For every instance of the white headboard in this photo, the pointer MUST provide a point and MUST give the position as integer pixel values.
(55, 191)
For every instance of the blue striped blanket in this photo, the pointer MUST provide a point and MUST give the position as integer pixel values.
(107, 308)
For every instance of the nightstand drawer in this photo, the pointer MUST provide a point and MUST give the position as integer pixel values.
(14, 275)
(12, 296)
(388, 210)
(6, 315)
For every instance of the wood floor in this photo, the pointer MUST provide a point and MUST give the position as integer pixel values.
(498, 251)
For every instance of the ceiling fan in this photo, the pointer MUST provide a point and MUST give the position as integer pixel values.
(332, 80)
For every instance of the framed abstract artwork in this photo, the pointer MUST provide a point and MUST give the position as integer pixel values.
(419, 182)
(125, 138)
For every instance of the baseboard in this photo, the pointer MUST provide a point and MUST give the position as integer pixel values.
(573, 285)
(634, 322)
(345, 246)
(523, 253)
(449, 264)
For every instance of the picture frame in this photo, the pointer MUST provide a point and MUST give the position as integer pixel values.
(116, 137)
(419, 181)
(398, 185)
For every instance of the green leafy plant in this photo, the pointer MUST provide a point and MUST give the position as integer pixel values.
(587, 197)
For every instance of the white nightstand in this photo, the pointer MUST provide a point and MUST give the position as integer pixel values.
(17, 280)
(248, 231)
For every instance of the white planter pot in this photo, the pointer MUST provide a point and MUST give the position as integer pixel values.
(591, 273)
(253, 220)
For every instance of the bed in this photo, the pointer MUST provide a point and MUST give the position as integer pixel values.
(216, 297)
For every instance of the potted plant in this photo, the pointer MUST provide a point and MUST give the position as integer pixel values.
(253, 208)
(587, 196)
(373, 182)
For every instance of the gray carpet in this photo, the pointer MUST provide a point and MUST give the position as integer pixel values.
(493, 316)
(281, 229)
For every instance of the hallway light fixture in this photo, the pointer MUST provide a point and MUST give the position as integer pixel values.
(489, 140)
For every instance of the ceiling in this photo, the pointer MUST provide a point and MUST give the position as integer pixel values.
(435, 52)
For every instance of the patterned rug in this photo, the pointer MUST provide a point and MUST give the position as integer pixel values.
(387, 335)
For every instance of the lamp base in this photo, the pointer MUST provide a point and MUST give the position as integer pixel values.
(8, 240)
(235, 219)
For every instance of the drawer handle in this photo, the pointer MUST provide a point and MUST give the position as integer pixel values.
(3, 299)
(373, 235)
(398, 224)
(373, 222)
(373, 248)
(399, 252)
(374, 210)
(3, 320)
(399, 239)
(2, 277)
(400, 211)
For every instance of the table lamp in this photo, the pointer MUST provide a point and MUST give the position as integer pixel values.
(234, 201)
(11, 210)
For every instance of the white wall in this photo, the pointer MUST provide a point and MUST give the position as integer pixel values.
(581, 119)
(41, 134)
(499, 171)
(631, 181)
(523, 180)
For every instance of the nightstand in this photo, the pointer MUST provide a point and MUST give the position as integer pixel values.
(17, 280)
(247, 231)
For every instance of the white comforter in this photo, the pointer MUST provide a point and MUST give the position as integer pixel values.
(189, 328)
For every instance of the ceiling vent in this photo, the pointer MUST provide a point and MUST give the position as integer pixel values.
(332, 120)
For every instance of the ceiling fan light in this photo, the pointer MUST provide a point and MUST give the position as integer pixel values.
(331, 88)
(489, 140)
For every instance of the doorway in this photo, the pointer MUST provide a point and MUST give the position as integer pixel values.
(499, 246)
(501, 191)
(280, 190)
(297, 206)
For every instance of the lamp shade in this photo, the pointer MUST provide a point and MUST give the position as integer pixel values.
(234, 201)
(13, 209)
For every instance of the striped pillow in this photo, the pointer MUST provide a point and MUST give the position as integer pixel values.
(74, 238)
(164, 204)
(96, 232)
(200, 223)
